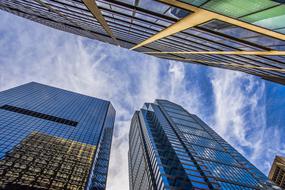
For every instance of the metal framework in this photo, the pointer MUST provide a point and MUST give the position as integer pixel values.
(200, 16)
(91, 5)
(281, 53)
(191, 20)
(234, 34)
(229, 64)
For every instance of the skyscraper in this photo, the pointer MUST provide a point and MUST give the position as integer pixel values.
(170, 148)
(53, 139)
(277, 171)
(243, 35)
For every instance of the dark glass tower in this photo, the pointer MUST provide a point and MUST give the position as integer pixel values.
(243, 35)
(170, 148)
(53, 139)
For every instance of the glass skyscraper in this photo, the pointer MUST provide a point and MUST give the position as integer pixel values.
(53, 139)
(243, 35)
(170, 148)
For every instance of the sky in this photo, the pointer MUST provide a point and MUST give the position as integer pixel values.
(246, 111)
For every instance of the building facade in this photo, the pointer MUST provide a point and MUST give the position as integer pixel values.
(243, 35)
(170, 148)
(277, 171)
(53, 139)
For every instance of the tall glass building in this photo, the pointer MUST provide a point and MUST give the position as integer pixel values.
(170, 148)
(243, 35)
(53, 139)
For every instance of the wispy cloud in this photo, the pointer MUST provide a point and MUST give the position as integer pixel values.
(31, 52)
(240, 117)
(127, 79)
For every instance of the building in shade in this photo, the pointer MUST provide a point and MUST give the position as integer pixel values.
(53, 139)
(170, 148)
(243, 35)
(277, 171)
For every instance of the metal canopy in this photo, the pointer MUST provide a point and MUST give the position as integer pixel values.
(240, 35)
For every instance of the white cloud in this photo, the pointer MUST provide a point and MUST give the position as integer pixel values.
(240, 117)
(127, 79)
(31, 52)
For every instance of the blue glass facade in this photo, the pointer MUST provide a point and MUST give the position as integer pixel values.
(173, 149)
(53, 139)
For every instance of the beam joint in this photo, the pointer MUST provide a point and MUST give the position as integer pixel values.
(200, 16)
(96, 12)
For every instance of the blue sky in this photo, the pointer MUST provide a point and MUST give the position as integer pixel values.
(245, 110)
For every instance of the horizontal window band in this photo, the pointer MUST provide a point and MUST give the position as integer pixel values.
(39, 115)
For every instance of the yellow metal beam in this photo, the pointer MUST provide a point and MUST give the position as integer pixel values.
(187, 22)
(93, 8)
(201, 16)
(278, 53)
(227, 19)
(244, 66)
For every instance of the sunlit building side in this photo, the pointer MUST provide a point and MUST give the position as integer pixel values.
(277, 171)
(53, 139)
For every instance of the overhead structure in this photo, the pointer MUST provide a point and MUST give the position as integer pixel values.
(93, 8)
(247, 36)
